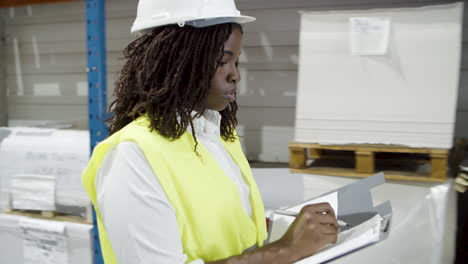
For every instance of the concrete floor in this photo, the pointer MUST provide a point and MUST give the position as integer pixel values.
(260, 164)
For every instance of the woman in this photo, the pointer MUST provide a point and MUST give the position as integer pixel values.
(171, 184)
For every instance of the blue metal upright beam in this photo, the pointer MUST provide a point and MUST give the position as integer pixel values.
(97, 85)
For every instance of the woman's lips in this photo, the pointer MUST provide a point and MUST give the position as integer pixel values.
(230, 97)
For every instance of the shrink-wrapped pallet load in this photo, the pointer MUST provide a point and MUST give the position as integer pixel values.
(32, 241)
(379, 76)
(40, 169)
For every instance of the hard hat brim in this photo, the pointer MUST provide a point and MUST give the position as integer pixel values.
(201, 22)
(206, 22)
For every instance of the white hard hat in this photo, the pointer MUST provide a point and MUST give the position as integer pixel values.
(196, 13)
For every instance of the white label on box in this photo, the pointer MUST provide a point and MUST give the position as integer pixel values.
(33, 192)
(44, 242)
(369, 35)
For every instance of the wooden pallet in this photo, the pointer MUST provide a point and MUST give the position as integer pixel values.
(364, 159)
(51, 215)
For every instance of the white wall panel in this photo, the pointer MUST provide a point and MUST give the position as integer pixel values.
(267, 89)
(47, 111)
(267, 144)
(269, 63)
(335, 4)
(69, 84)
(52, 36)
(252, 57)
(266, 132)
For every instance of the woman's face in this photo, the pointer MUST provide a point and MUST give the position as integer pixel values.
(224, 83)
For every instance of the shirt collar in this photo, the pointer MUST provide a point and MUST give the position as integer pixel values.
(207, 124)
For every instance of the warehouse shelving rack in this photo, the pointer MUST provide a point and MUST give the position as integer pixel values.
(97, 86)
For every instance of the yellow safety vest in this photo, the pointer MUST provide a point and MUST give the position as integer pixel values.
(211, 221)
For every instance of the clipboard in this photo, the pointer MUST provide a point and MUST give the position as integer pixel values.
(354, 206)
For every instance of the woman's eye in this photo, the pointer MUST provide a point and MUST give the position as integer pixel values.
(222, 63)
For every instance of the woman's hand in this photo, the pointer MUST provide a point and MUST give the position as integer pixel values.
(314, 227)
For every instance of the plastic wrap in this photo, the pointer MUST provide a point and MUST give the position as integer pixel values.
(78, 241)
(423, 229)
(33, 192)
(373, 78)
(61, 154)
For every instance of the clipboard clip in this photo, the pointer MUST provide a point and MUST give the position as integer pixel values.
(384, 224)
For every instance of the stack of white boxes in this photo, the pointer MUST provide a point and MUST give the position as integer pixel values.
(32, 241)
(40, 170)
(382, 76)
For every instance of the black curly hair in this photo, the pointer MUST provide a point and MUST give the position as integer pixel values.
(166, 75)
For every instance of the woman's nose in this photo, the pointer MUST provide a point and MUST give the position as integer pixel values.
(234, 76)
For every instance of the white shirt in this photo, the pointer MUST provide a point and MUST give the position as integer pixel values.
(139, 219)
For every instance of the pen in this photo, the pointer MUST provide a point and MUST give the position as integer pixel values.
(341, 223)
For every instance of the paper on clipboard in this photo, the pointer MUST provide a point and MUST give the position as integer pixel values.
(364, 234)
(282, 222)
(331, 198)
(369, 224)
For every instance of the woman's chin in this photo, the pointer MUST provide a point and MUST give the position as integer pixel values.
(219, 107)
